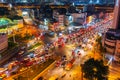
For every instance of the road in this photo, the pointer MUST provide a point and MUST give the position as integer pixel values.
(114, 71)
(74, 73)
(59, 71)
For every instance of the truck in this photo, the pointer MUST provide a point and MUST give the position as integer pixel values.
(69, 65)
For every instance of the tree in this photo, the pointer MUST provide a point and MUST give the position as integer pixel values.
(99, 42)
(41, 78)
(95, 70)
(99, 48)
(13, 12)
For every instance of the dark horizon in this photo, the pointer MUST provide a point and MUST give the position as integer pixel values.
(62, 2)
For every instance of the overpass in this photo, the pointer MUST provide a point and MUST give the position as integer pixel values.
(31, 6)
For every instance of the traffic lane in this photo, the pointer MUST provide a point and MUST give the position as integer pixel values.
(114, 71)
(53, 71)
(73, 73)
(63, 74)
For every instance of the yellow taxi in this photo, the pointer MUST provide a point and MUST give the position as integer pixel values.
(68, 66)
(54, 77)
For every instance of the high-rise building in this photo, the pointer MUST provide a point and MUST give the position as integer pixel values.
(111, 39)
(46, 11)
(59, 17)
(116, 21)
(2, 1)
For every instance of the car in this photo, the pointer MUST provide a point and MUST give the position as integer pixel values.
(40, 78)
(21, 52)
(50, 33)
(2, 70)
(58, 64)
(3, 76)
(25, 60)
(68, 66)
(15, 63)
(85, 49)
(23, 69)
(13, 73)
(63, 74)
(23, 47)
(54, 77)
(29, 63)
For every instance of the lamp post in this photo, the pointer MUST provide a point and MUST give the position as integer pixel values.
(14, 37)
(81, 71)
(7, 29)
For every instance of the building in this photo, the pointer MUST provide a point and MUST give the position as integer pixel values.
(79, 17)
(111, 39)
(45, 11)
(112, 42)
(68, 19)
(65, 18)
(116, 20)
(89, 8)
(3, 42)
(59, 17)
(61, 2)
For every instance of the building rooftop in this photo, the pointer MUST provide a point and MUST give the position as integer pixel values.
(2, 35)
(75, 24)
(113, 34)
(116, 31)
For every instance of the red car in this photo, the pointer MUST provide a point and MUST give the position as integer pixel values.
(29, 64)
(57, 64)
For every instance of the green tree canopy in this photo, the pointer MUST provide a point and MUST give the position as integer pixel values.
(95, 70)
(5, 21)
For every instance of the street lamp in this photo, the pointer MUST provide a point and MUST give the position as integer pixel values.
(14, 37)
(81, 71)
